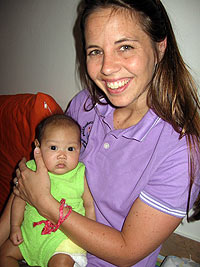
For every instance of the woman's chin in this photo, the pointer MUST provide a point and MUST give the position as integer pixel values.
(118, 102)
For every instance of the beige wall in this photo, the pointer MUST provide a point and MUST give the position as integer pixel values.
(37, 51)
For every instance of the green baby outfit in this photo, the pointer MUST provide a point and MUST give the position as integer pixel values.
(37, 249)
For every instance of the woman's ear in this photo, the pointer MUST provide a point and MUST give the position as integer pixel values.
(37, 143)
(161, 47)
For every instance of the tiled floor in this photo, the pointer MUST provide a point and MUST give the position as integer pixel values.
(182, 247)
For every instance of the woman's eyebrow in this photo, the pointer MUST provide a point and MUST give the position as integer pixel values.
(92, 46)
(125, 40)
(116, 42)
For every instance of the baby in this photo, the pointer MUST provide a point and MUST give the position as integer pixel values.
(32, 237)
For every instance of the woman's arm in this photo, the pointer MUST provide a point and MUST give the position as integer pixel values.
(144, 229)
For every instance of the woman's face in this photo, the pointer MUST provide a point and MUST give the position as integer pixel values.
(120, 57)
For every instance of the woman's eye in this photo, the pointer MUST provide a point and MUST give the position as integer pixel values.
(71, 148)
(53, 147)
(126, 47)
(95, 52)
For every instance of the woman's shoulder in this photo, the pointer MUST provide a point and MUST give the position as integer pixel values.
(79, 105)
(80, 98)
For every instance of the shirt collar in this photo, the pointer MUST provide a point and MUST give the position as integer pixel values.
(137, 132)
(144, 126)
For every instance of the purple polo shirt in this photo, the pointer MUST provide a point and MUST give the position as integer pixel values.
(146, 160)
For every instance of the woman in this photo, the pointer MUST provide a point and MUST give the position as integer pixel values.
(140, 135)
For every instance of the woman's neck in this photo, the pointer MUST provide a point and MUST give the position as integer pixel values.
(126, 117)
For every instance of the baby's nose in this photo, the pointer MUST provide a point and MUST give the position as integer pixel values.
(62, 153)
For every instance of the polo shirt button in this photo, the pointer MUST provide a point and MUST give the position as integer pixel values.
(106, 145)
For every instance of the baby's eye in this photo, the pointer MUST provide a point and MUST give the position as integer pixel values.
(53, 147)
(71, 148)
(126, 47)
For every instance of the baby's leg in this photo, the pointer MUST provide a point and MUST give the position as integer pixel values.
(9, 255)
(61, 260)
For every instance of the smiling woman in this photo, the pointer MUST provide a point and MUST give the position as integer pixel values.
(132, 64)
(140, 128)
(122, 63)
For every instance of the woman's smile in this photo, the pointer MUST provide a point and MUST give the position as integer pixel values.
(120, 57)
(118, 86)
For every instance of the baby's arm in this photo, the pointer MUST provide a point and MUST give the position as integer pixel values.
(88, 202)
(17, 216)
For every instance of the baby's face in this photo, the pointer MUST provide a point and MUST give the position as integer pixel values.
(60, 147)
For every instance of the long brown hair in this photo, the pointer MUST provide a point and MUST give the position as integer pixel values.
(172, 92)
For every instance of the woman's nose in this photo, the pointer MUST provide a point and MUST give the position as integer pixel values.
(110, 64)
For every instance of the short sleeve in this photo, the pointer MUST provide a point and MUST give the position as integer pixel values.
(168, 188)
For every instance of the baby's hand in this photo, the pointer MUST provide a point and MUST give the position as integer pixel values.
(16, 235)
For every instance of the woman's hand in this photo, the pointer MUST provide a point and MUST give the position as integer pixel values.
(33, 187)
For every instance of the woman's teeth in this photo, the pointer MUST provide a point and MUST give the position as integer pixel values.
(116, 85)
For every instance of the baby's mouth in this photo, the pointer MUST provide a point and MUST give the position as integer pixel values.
(61, 165)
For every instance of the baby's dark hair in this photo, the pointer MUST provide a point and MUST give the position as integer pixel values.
(55, 120)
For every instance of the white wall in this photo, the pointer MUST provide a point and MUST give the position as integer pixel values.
(37, 51)
(185, 18)
(37, 48)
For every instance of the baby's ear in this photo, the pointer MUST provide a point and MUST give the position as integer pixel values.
(36, 142)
